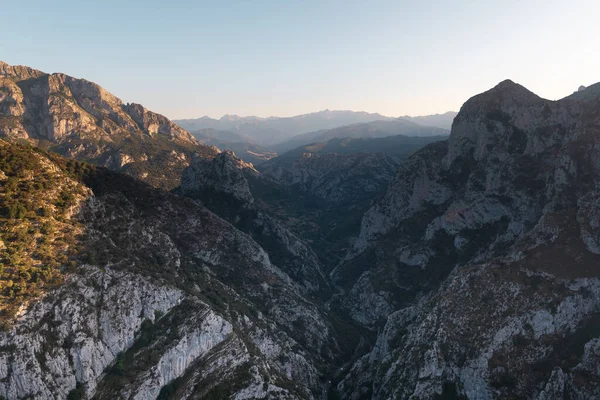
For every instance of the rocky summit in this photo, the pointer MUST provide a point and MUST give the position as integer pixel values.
(464, 268)
(80, 119)
(479, 266)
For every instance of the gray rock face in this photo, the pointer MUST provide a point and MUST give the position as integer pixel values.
(481, 258)
(174, 298)
(223, 174)
(201, 334)
(70, 106)
(80, 119)
(77, 331)
(222, 185)
(336, 178)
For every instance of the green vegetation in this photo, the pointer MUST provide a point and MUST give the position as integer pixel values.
(240, 377)
(450, 392)
(168, 391)
(37, 235)
(78, 393)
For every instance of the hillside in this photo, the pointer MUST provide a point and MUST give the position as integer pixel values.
(38, 232)
(79, 119)
(396, 146)
(375, 129)
(198, 290)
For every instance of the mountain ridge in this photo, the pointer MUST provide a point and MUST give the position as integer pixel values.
(78, 118)
(267, 131)
(443, 120)
(273, 130)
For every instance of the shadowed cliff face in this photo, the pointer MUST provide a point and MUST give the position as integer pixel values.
(481, 259)
(221, 184)
(80, 119)
(321, 196)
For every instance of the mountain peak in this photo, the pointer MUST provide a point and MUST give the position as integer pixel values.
(494, 109)
(507, 83)
(506, 94)
(19, 71)
(509, 91)
(80, 119)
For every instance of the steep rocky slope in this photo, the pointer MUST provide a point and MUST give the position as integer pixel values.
(161, 298)
(79, 119)
(480, 264)
(222, 186)
(337, 178)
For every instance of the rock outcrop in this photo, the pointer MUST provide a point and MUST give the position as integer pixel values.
(224, 174)
(480, 260)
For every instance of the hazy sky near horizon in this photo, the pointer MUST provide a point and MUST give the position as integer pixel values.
(186, 59)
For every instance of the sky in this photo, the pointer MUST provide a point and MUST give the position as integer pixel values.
(186, 59)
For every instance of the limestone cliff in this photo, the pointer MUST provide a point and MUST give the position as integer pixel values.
(80, 119)
(161, 296)
(480, 260)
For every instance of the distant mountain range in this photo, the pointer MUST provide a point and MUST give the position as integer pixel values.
(273, 130)
(244, 147)
(443, 121)
(208, 134)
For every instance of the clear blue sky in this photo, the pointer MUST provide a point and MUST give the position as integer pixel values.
(194, 58)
